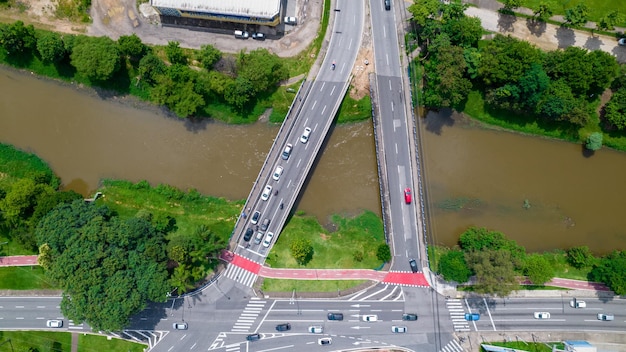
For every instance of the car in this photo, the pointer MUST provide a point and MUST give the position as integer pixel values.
(266, 192)
(574, 303)
(413, 265)
(258, 36)
(472, 316)
(283, 327)
(542, 315)
(387, 5)
(287, 151)
(325, 341)
(241, 34)
(335, 316)
(268, 239)
(255, 217)
(621, 42)
(248, 235)
(258, 238)
(305, 135)
(253, 337)
(407, 195)
(409, 317)
(180, 326)
(291, 20)
(54, 323)
(277, 172)
(316, 329)
(370, 317)
(606, 317)
(398, 329)
(265, 224)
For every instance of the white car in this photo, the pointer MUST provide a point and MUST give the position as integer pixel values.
(305, 136)
(180, 326)
(325, 341)
(266, 192)
(316, 329)
(291, 20)
(277, 173)
(542, 315)
(54, 323)
(398, 329)
(370, 317)
(268, 239)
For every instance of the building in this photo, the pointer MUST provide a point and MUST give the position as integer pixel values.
(249, 15)
(579, 346)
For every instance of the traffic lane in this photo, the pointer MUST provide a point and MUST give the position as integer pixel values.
(386, 42)
(345, 41)
(29, 312)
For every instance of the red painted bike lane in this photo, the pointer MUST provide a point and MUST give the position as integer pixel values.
(19, 260)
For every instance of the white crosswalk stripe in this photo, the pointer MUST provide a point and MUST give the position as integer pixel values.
(240, 275)
(457, 315)
(452, 346)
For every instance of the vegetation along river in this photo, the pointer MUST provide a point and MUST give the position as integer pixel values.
(544, 194)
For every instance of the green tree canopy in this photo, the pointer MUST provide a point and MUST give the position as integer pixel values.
(479, 239)
(301, 250)
(96, 58)
(543, 11)
(538, 269)
(610, 270)
(150, 68)
(383, 253)
(51, 47)
(495, 271)
(557, 102)
(608, 21)
(464, 32)
(102, 263)
(16, 38)
(453, 267)
(577, 15)
(262, 69)
(208, 56)
(580, 257)
(594, 141)
(615, 109)
(506, 59)
(175, 53)
(423, 10)
(132, 47)
(446, 83)
(510, 5)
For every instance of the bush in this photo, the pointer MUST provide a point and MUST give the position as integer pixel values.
(594, 141)
(453, 267)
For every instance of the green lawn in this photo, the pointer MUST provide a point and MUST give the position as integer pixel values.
(531, 346)
(24, 278)
(597, 8)
(46, 341)
(277, 285)
(96, 343)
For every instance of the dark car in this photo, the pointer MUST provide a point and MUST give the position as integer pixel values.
(387, 5)
(248, 235)
(253, 337)
(413, 265)
(335, 316)
(283, 327)
(255, 217)
(409, 316)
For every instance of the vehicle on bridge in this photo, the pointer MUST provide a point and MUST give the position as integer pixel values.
(266, 192)
(255, 217)
(268, 239)
(253, 337)
(316, 329)
(248, 234)
(265, 224)
(287, 151)
(606, 317)
(370, 317)
(277, 172)
(413, 265)
(180, 326)
(325, 341)
(407, 195)
(54, 323)
(305, 135)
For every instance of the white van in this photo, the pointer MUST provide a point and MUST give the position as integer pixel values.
(241, 34)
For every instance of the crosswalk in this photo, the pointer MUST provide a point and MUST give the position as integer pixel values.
(244, 324)
(240, 275)
(457, 314)
(150, 337)
(380, 292)
(452, 346)
(73, 326)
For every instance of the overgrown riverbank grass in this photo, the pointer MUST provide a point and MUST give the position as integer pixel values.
(332, 250)
(24, 278)
(279, 285)
(16, 164)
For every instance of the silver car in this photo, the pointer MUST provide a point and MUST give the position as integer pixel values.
(266, 192)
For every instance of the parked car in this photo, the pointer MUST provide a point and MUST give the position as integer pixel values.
(606, 317)
(54, 323)
(180, 326)
(398, 329)
(266, 192)
(268, 239)
(255, 217)
(413, 265)
(409, 317)
(370, 317)
(248, 235)
(472, 316)
(316, 329)
(305, 135)
(325, 341)
(335, 316)
(291, 20)
(241, 34)
(258, 36)
(542, 315)
(283, 327)
(287, 151)
(253, 337)
(621, 42)
(277, 172)
(407, 195)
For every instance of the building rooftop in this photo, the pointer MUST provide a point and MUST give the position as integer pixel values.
(251, 8)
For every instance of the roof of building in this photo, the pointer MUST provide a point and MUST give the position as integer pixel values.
(251, 8)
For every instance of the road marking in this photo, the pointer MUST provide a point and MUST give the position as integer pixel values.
(324, 109)
(390, 85)
(277, 348)
(332, 91)
(313, 107)
(322, 87)
(392, 107)
(194, 345)
(489, 312)
(19, 318)
(19, 306)
(41, 306)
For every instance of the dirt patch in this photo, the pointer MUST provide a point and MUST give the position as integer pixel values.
(362, 68)
(324, 236)
(41, 14)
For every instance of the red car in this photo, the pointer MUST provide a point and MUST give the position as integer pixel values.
(407, 195)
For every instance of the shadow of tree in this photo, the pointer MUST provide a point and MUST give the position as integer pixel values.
(436, 120)
(536, 27)
(505, 22)
(565, 37)
(593, 43)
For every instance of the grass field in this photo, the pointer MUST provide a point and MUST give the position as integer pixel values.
(276, 285)
(45, 341)
(597, 8)
(24, 278)
(530, 346)
(96, 343)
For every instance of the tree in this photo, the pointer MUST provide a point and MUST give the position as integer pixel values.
(506, 59)
(208, 56)
(476, 239)
(17, 38)
(100, 262)
(96, 58)
(577, 15)
(132, 47)
(453, 267)
(538, 269)
(580, 257)
(543, 11)
(495, 271)
(239, 93)
(423, 10)
(20, 201)
(150, 68)
(557, 102)
(472, 61)
(510, 5)
(610, 270)
(532, 85)
(594, 141)
(301, 250)
(446, 84)
(464, 32)
(175, 53)
(608, 21)
(262, 69)
(383, 253)
(615, 109)
(51, 47)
